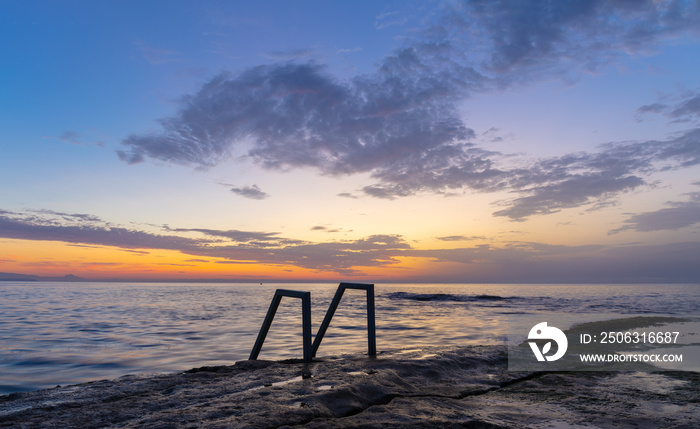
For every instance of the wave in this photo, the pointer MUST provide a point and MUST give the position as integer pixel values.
(447, 297)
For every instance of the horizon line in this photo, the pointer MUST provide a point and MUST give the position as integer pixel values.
(70, 278)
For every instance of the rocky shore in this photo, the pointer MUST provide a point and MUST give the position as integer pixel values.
(466, 387)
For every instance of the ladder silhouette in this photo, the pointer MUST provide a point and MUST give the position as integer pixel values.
(310, 348)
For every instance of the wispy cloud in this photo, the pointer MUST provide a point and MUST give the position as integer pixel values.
(251, 192)
(67, 217)
(70, 137)
(242, 238)
(461, 238)
(347, 195)
(552, 184)
(348, 50)
(47, 225)
(522, 262)
(401, 124)
(73, 137)
(553, 36)
(389, 19)
(679, 215)
(235, 246)
(324, 228)
(686, 108)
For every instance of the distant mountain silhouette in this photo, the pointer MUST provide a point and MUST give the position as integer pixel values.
(32, 278)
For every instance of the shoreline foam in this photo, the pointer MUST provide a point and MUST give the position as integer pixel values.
(426, 387)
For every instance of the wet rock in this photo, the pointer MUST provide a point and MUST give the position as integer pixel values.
(436, 387)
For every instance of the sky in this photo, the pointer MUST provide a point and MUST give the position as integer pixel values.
(374, 141)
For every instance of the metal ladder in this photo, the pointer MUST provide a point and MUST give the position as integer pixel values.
(310, 348)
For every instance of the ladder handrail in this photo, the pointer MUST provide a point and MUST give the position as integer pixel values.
(305, 321)
(371, 328)
(309, 348)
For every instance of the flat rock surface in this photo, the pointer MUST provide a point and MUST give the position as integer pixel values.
(431, 387)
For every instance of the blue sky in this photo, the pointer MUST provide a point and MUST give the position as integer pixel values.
(436, 141)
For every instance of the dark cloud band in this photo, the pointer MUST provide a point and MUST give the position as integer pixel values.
(509, 262)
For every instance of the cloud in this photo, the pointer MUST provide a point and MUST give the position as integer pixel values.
(338, 256)
(389, 19)
(554, 36)
(234, 234)
(688, 109)
(552, 184)
(298, 116)
(685, 109)
(348, 51)
(508, 253)
(653, 108)
(69, 217)
(542, 263)
(137, 252)
(401, 124)
(251, 192)
(508, 262)
(76, 138)
(325, 229)
(589, 32)
(679, 215)
(234, 246)
(347, 195)
(335, 256)
(70, 137)
(461, 238)
(48, 225)
(545, 185)
(572, 192)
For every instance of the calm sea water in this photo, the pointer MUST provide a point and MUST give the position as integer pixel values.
(67, 333)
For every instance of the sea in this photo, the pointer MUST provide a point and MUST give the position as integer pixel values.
(55, 333)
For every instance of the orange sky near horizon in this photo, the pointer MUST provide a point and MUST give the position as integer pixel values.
(99, 263)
